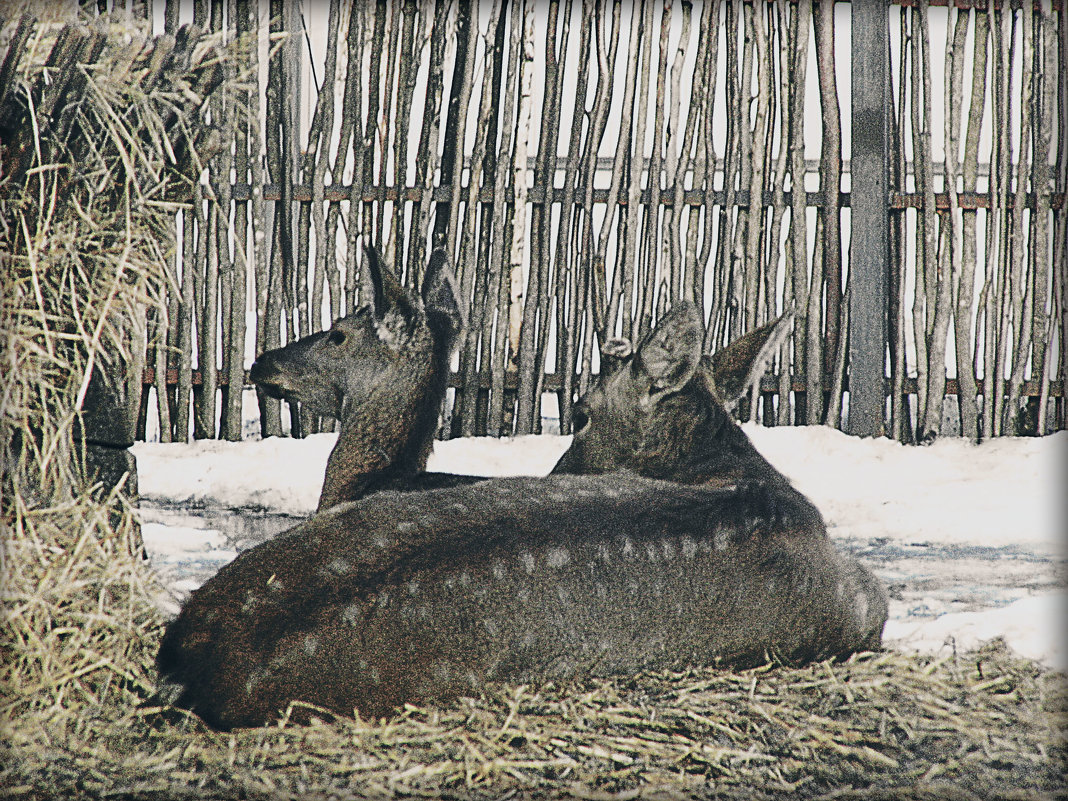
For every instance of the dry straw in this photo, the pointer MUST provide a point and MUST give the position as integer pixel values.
(85, 239)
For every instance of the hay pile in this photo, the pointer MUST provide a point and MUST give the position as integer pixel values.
(101, 127)
(882, 726)
(84, 247)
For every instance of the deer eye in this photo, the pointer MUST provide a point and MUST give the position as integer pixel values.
(336, 337)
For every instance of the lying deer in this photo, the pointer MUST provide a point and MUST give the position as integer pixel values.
(662, 410)
(382, 372)
(417, 598)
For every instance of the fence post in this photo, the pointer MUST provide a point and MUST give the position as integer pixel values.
(869, 239)
(107, 428)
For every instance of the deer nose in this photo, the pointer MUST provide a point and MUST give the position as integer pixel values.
(259, 371)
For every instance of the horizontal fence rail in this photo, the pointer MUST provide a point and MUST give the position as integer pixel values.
(589, 165)
(769, 384)
(687, 197)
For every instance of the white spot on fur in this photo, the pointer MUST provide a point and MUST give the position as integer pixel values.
(861, 600)
(603, 554)
(404, 526)
(413, 587)
(650, 552)
(498, 569)
(254, 678)
(689, 547)
(668, 549)
(339, 566)
(311, 645)
(719, 539)
(352, 615)
(558, 557)
(526, 561)
(628, 547)
(491, 627)
(456, 506)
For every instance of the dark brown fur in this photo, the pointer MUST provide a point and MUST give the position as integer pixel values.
(421, 597)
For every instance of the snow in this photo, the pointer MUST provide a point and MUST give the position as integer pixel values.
(1001, 492)
(1033, 627)
(286, 475)
(969, 538)
(186, 555)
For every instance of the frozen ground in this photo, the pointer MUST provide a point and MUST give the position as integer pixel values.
(970, 539)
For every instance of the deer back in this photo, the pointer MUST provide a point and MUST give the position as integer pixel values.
(415, 598)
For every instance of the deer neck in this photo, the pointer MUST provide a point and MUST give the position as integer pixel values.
(375, 444)
(735, 455)
(388, 433)
(425, 412)
(697, 442)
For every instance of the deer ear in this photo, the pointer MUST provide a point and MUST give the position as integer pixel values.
(737, 366)
(672, 351)
(441, 298)
(374, 272)
(614, 353)
(388, 294)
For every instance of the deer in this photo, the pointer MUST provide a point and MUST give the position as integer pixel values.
(663, 409)
(643, 550)
(382, 372)
(418, 598)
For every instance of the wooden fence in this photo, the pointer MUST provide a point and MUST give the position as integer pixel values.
(590, 163)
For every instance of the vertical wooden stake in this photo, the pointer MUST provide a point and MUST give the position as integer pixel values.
(869, 242)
